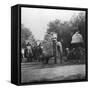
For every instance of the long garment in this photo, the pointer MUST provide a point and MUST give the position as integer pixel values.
(28, 53)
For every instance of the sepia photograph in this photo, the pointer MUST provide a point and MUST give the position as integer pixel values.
(53, 45)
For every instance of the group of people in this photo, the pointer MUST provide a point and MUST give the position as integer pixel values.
(31, 52)
(37, 53)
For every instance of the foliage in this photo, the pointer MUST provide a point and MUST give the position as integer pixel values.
(26, 35)
(66, 29)
(79, 22)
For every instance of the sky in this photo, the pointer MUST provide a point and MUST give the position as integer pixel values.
(37, 19)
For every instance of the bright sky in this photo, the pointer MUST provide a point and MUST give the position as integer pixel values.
(37, 19)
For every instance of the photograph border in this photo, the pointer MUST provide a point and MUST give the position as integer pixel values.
(19, 42)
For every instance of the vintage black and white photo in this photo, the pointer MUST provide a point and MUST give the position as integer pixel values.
(53, 44)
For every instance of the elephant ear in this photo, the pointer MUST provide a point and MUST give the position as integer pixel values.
(48, 48)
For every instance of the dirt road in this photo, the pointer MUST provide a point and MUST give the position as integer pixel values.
(52, 73)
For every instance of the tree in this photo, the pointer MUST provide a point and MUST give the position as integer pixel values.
(62, 29)
(26, 34)
(66, 29)
(79, 22)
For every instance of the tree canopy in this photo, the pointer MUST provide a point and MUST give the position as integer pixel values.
(26, 35)
(66, 29)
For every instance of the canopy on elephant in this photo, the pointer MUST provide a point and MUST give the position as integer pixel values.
(77, 38)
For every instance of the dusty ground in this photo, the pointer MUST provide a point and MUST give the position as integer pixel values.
(51, 72)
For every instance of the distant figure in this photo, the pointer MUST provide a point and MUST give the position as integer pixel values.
(22, 53)
(39, 51)
(67, 51)
(28, 52)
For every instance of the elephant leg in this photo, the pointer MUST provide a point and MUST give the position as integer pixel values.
(60, 58)
(31, 59)
(27, 59)
(55, 61)
(47, 60)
